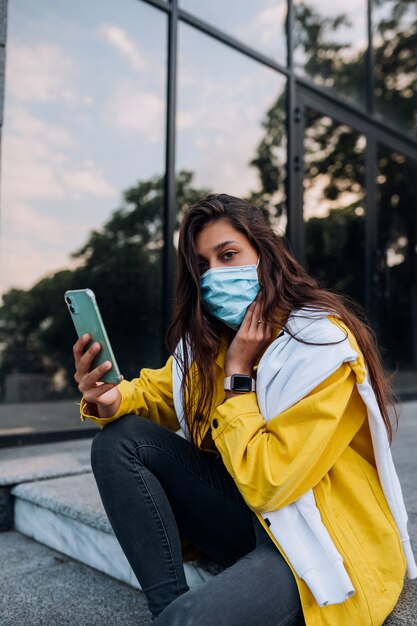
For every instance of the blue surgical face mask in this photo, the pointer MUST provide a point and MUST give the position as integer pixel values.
(228, 291)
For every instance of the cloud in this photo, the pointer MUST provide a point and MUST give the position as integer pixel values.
(46, 198)
(218, 136)
(118, 38)
(41, 162)
(25, 223)
(266, 25)
(134, 109)
(87, 178)
(40, 72)
(29, 234)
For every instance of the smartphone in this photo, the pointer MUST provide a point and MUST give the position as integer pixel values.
(86, 316)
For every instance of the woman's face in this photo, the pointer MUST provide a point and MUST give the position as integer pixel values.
(220, 245)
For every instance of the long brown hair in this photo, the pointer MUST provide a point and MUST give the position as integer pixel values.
(285, 287)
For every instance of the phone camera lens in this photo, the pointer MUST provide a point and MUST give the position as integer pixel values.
(68, 300)
(72, 309)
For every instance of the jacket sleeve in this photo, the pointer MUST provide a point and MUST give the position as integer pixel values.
(150, 395)
(274, 463)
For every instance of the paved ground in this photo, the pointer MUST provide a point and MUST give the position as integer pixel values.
(40, 587)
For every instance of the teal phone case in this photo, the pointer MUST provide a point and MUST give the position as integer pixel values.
(86, 316)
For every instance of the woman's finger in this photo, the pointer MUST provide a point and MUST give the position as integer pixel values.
(256, 317)
(79, 346)
(88, 381)
(92, 395)
(253, 321)
(246, 322)
(85, 361)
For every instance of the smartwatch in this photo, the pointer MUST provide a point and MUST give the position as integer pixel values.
(239, 383)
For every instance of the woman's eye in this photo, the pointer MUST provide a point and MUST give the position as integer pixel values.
(228, 256)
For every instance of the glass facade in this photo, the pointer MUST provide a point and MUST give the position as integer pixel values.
(395, 67)
(330, 44)
(230, 108)
(260, 25)
(117, 116)
(396, 260)
(334, 203)
(82, 188)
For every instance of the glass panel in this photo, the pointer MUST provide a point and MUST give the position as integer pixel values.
(260, 25)
(82, 180)
(330, 43)
(394, 41)
(334, 157)
(231, 124)
(396, 264)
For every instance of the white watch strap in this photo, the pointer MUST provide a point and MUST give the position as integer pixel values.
(228, 383)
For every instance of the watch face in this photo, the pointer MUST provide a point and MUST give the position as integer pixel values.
(241, 383)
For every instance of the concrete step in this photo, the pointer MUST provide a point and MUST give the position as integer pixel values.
(67, 514)
(42, 587)
(23, 464)
(26, 463)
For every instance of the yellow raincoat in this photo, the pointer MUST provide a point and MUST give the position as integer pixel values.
(322, 442)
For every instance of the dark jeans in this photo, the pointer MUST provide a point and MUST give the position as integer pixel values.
(155, 486)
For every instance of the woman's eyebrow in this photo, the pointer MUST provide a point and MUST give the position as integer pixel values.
(223, 244)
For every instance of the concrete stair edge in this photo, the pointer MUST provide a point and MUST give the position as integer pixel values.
(77, 526)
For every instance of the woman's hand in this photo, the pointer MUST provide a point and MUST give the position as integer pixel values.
(249, 342)
(105, 395)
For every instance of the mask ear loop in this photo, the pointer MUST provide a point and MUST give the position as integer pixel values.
(257, 262)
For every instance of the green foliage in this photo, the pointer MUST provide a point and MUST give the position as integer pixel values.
(334, 164)
(121, 263)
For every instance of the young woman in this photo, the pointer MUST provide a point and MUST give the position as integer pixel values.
(283, 474)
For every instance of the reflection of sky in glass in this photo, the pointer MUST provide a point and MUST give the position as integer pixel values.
(261, 24)
(350, 33)
(223, 98)
(84, 119)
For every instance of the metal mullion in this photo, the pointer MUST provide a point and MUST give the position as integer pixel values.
(327, 103)
(328, 107)
(230, 41)
(396, 144)
(371, 224)
(370, 64)
(170, 195)
(295, 133)
(159, 4)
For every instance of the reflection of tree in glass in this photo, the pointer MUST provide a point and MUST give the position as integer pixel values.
(335, 166)
(341, 66)
(395, 51)
(329, 62)
(333, 157)
(121, 262)
(396, 263)
(334, 171)
(270, 163)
